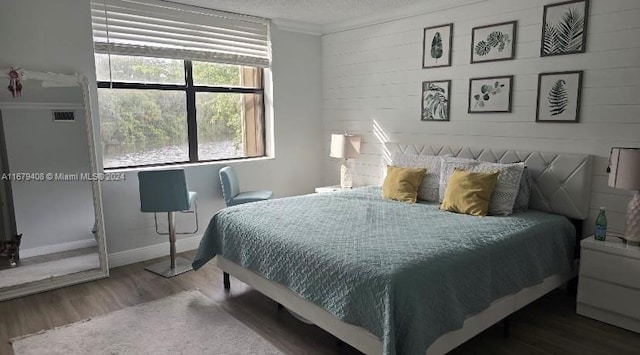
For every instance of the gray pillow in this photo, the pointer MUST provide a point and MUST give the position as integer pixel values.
(503, 197)
(428, 190)
(524, 192)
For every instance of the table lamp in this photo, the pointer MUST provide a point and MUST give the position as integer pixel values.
(346, 147)
(624, 173)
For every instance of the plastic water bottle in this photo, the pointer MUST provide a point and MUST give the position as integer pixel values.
(601, 225)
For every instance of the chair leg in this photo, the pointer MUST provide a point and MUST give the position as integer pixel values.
(226, 281)
(176, 266)
(506, 323)
(195, 212)
(172, 238)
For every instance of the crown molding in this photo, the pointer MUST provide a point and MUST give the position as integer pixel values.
(363, 21)
(397, 14)
(297, 26)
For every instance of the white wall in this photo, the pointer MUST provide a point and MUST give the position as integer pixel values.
(56, 36)
(43, 36)
(373, 74)
(296, 168)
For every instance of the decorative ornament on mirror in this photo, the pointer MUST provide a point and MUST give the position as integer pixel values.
(15, 82)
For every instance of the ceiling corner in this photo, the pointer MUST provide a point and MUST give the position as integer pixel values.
(297, 26)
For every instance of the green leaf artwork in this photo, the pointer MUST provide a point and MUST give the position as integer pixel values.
(486, 92)
(566, 36)
(435, 103)
(558, 98)
(436, 46)
(482, 48)
(494, 39)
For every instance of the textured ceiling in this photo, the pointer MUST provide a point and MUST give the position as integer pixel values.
(318, 12)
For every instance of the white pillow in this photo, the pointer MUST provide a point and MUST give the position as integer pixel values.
(429, 189)
(506, 191)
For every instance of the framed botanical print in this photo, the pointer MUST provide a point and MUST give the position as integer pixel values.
(437, 46)
(559, 97)
(435, 100)
(564, 28)
(493, 42)
(492, 94)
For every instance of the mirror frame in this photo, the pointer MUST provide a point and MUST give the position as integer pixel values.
(61, 80)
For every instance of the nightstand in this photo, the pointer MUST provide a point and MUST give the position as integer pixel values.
(609, 282)
(328, 188)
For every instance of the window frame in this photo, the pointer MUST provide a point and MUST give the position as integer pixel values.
(191, 90)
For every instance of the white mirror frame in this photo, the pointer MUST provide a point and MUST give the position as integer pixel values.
(62, 80)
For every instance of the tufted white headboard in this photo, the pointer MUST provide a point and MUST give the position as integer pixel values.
(562, 182)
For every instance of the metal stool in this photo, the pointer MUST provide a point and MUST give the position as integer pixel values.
(166, 191)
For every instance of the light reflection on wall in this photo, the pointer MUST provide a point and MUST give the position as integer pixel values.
(383, 138)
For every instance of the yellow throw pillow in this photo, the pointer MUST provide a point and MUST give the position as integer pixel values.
(401, 184)
(469, 192)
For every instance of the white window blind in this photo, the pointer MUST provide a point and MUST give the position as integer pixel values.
(155, 28)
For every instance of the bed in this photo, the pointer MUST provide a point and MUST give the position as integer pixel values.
(395, 278)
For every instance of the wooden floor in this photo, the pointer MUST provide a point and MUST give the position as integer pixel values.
(548, 326)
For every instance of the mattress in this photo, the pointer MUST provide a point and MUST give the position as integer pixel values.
(407, 273)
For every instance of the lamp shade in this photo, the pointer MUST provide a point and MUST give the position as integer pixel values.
(346, 146)
(624, 165)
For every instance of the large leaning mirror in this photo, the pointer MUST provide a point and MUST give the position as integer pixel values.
(51, 224)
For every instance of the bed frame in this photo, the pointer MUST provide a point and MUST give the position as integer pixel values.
(562, 184)
(368, 343)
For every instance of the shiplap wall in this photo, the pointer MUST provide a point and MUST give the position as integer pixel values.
(372, 86)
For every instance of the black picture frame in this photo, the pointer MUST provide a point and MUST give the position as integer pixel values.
(472, 94)
(513, 39)
(549, 47)
(449, 43)
(425, 114)
(568, 98)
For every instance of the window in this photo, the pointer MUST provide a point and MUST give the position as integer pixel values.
(178, 84)
(161, 111)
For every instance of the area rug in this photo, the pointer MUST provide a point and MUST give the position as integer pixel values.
(185, 323)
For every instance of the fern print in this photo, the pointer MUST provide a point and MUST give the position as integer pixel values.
(570, 31)
(567, 34)
(558, 98)
(436, 46)
(550, 40)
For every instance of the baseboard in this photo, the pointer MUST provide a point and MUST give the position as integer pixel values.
(151, 252)
(56, 248)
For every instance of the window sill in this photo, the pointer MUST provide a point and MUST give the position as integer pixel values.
(187, 165)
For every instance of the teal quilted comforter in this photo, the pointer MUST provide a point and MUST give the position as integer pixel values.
(408, 273)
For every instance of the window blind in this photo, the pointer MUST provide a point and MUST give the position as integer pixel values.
(155, 28)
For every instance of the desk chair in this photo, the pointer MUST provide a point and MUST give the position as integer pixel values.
(166, 191)
(231, 189)
(233, 196)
